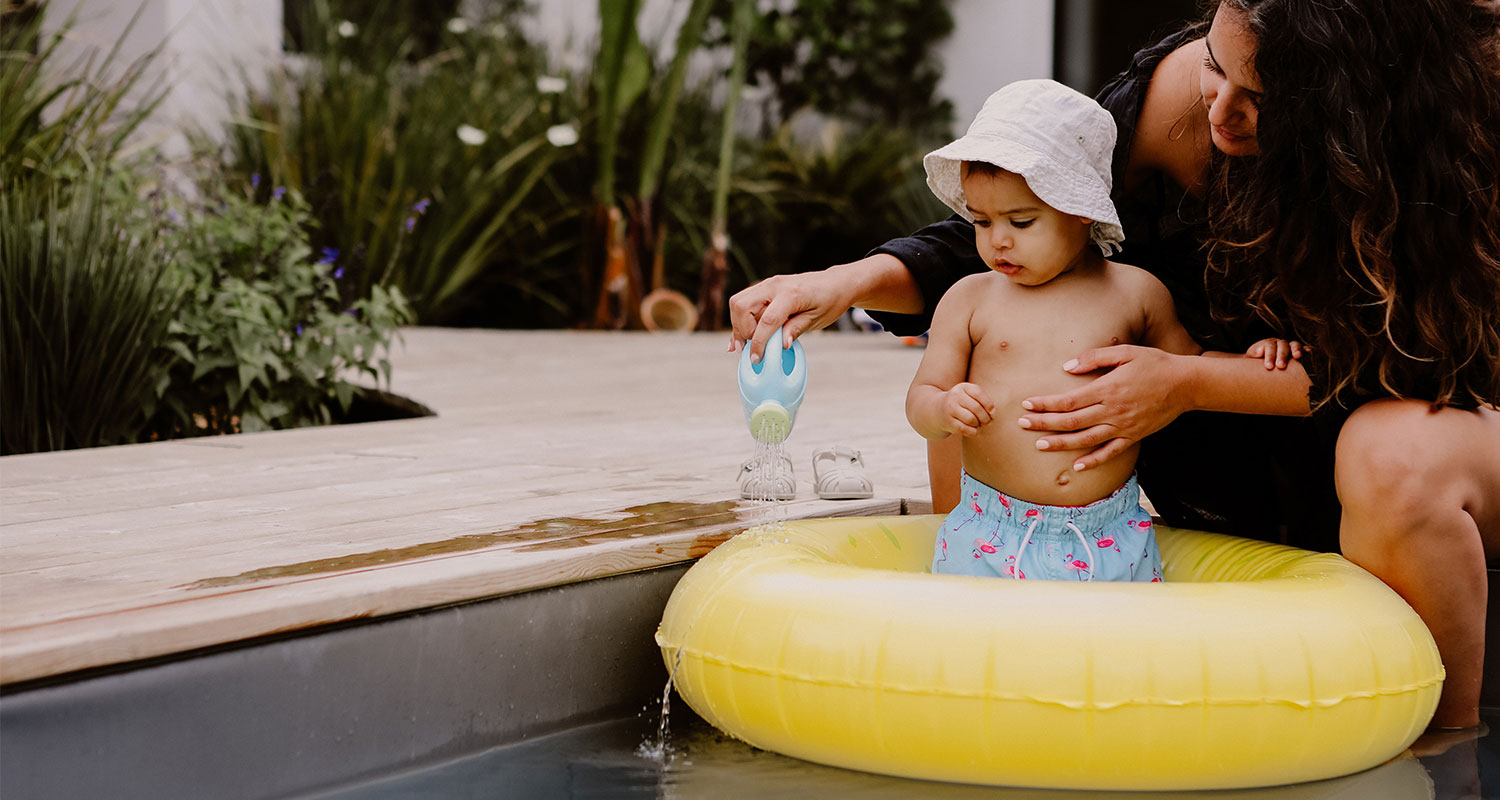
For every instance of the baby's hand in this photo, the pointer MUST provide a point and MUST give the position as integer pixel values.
(1275, 352)
(965, 409)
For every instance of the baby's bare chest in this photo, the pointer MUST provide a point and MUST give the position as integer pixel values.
(1028, 345)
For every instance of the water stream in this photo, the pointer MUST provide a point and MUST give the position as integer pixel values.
(773, 477)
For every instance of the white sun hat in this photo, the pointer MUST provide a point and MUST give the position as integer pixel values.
(1059, 140)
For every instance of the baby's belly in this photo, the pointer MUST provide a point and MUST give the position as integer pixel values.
(1004, 455)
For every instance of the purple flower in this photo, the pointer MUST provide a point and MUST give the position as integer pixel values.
(174, 216)
(330, 254)
(411, 222)
(353, 312)
(279, 193)
(255, 181)
(299, 329)
(421, 205)
(338, 273)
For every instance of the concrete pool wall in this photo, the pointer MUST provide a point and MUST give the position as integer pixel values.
(290, 715)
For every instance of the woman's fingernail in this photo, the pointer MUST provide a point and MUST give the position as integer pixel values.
(1026, 404)
(1041, 444)
(1024, 422)
(1078, 467)
(1071, 365)
(754, 359)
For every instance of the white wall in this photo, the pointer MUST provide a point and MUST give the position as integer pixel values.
(205, 43)
(993, 43)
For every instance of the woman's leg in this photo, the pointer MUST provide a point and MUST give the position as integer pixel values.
(944, 472)
(1421, 498)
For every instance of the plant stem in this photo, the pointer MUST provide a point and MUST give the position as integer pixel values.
(742, 12)
(688, 37)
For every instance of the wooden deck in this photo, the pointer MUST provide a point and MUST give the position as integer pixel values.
(555, 457)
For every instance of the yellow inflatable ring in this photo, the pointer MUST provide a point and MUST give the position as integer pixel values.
(1253, 665)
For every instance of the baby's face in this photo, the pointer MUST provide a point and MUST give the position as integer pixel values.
(1017, 234)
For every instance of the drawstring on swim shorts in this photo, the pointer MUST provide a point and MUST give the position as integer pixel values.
(1016, 570)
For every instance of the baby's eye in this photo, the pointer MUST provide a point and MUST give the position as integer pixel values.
(1208, 63)
(1022, 223)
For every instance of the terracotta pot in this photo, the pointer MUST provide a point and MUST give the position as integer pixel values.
(668, 310)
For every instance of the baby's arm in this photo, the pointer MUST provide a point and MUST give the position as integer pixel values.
(1163, 330)
(940, 400)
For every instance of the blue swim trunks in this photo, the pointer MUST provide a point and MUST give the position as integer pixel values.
(993, 535)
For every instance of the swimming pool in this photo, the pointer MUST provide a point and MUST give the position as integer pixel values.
(543, 694)
(601, 760)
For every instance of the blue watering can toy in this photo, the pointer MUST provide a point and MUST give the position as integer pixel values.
(771, 390)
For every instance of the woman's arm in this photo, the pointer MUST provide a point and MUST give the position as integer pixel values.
(1146, 388)
(897, 277)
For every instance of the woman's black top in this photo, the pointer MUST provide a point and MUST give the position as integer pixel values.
(1264, 477)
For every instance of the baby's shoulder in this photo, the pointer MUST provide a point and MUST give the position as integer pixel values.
(970, 289)
(1134, 281)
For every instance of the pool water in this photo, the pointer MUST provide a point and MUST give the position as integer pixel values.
(605, 760)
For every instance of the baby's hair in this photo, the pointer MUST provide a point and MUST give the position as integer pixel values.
(984, 168)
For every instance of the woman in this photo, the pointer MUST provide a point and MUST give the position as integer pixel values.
(1340, 159)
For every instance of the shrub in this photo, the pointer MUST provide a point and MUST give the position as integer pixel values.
(84, 308)
(367, 125)
(265, 340)
(84, 301)
(867, 62)
(365, 138)
(123, 320)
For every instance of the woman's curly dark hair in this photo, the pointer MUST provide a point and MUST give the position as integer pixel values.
(1369, 224)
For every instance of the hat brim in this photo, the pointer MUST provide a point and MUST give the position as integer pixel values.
(1068, 191)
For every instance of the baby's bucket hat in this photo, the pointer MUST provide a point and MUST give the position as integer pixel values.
(1059, 140)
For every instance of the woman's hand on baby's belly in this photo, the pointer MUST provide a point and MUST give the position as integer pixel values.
(1111, 414)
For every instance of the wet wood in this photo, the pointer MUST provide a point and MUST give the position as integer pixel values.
(555, 457)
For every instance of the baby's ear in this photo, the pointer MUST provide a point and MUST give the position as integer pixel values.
(1086, 220)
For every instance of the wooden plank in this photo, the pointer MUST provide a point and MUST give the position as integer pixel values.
(556, 456)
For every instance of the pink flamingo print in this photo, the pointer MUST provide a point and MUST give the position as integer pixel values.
(981, 546)
(974, 504)
(1108, 541)
(943, 548)
(1013, 570)
(1076, 564)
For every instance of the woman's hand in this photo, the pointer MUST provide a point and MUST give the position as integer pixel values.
(794, 303)
(1137, 397)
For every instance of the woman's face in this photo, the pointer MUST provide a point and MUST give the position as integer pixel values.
(1228, 83)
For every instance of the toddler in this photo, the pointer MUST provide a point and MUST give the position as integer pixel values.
(1033, 174)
